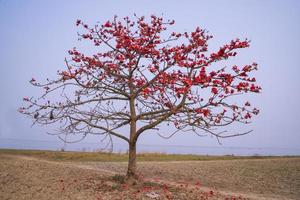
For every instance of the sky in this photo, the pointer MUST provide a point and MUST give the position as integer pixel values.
(36, 35)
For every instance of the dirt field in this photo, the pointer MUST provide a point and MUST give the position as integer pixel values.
(26, 177)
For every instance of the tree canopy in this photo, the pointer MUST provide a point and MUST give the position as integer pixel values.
(141, 76)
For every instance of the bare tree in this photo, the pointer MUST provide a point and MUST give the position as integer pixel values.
(140, 77)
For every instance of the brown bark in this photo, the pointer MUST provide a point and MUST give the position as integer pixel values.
(131, 170)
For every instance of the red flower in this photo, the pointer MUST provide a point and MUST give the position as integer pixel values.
(198, 110)
(205, 112)
(146, 91)
(214, 90)
(107, 24)
(248, 116)
(153, 69)
(118, 46)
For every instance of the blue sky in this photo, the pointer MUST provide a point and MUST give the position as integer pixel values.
(36, 35)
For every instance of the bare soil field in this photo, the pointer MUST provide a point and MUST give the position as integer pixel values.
(29, 177)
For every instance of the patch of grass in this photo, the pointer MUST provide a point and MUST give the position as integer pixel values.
(152, 184)
(68, 155)
(119, 157)
(119, 178)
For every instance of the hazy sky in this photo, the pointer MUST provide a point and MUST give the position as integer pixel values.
(36, 35)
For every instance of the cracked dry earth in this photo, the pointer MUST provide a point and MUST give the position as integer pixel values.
(34, 178)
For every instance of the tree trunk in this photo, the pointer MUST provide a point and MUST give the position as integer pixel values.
(131, 175)
(131, 170)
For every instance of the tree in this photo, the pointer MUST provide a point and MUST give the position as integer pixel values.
(140, 77)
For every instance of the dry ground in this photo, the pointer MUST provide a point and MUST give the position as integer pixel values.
(25, 177)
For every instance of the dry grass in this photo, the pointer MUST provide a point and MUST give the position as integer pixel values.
(118, 157)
